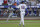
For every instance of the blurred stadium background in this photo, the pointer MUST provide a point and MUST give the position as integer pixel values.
(33, 7)
(32, 19)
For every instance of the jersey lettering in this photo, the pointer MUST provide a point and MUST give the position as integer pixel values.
(23, 7)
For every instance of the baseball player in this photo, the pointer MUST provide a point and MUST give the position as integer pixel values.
(22, 7)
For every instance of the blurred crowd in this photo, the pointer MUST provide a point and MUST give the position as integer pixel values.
(32, 11)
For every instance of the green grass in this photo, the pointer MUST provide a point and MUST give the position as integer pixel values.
(28, 23)
(16, 25)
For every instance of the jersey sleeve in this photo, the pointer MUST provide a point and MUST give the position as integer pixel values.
(18, 6)
(25, 6)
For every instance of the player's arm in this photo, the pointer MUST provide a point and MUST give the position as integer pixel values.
(26, 10)
(18, 6)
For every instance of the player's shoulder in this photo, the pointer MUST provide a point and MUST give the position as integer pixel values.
(24, 4)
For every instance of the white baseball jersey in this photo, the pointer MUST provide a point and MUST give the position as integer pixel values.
(22, 7)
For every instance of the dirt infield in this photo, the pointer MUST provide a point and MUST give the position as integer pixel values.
(26, 18)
